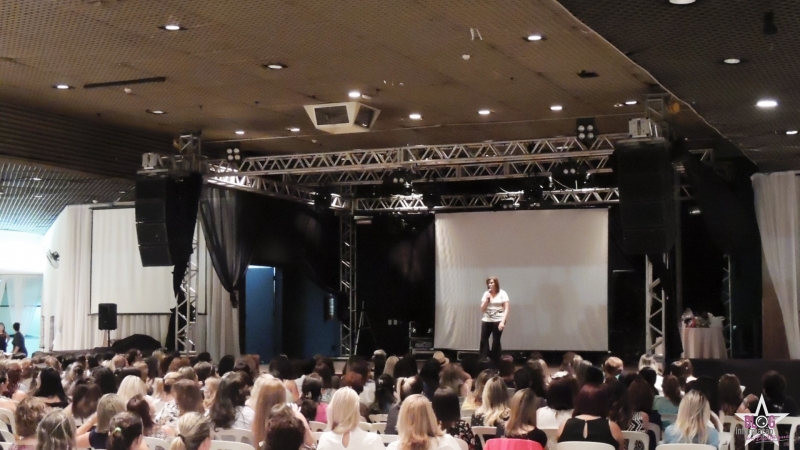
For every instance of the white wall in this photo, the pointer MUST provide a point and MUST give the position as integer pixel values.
(21, 253)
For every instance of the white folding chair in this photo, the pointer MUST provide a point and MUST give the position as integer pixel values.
(7, 435)
(655, 429)
(794, 422)
(366, 426)
(316, 435)
(671, 418)
(484, 431)
(155, 443)
(230, 445)
(584, 445)
(7, 416)
(6, 445)
(316, 426)
(233, 434)
(725, 440)
(379, 428)
(552, 441)
(685, 447)
(378, 418)
(636, 436)
(389, 438)
(462, 444)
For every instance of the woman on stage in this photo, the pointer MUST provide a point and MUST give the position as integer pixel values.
(494, 305)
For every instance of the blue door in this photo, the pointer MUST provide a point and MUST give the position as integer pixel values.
(262, 325)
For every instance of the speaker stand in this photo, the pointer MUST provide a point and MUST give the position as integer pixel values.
(107, 342)
(363, 324)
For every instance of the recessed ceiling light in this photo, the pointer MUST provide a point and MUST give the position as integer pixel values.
(767, 103)
(172, 27)
(36, 179)
(484, 112)
(556, 108)
(533, 37)
(354, 94)
(293, 129)
(682, 2)
(415, 116)
(38, 196)
(618, 105)
(791, 132)
(239, 132)
(731, 60)
(631, 102)
(62, 86)
(275, 66)
(156, 111)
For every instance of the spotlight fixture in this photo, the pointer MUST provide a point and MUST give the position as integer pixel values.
(586, 130)
(293, 129)
(556, 108)
(767, 103)
(631, 102)
(694, 210)
(239, 132)
(63, 87)
(172, 27)
(791, 132)
(682, 2)
(415, 116)
(398, 182)
(322, 199)
(275, 66)
(233, 154)
(484, 112)
(731, 61)
(155, 111)
(354, 94)
(533, 37)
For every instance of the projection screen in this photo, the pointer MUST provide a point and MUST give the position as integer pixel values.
(117, 272)
(552, 263)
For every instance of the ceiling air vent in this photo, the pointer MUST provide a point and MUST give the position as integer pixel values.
(341, 118)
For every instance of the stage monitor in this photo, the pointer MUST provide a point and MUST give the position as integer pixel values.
(552, 263)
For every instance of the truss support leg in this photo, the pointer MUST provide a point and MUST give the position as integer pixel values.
(186, 308)
(347, 282)
(655, 302)
(727, 296)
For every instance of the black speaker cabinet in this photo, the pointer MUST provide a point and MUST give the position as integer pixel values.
(151, 220)
(107, 315)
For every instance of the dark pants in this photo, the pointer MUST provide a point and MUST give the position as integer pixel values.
(492, 328)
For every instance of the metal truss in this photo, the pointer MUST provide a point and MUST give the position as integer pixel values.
(347, 282)
(727, 297)
(186, 309)
(655, 304)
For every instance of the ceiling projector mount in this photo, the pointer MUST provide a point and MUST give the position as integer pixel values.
(342, 118)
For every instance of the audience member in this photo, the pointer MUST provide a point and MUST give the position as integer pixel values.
(692, 423)
(407, 388)
(494, 405)
(668, 403)
(343, 419)
(229, 409)
(384, 395)
(590, 422)
(285, 432)
(560, 403)
(126, 432)
(56, 432)
(453, 376)
(522, 419)
(94, 432)
(27, 416)
(474, 400)
(194, 433)
(50, 390)
(138, 405)
(417, 427)
(130, 387)
(612, 368)
(448, 414)
(730, 396)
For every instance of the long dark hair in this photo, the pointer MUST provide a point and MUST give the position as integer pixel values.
(230, 395)
(50, 385)
(445, 406)
(384, 393)
(125, 428)
(139, 406)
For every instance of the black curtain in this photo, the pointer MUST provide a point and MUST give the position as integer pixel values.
(230, 235)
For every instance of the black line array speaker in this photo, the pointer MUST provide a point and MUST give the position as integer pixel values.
(107, 316)
(646, 182)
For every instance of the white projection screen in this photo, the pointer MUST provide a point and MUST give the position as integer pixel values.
(552, 263)
(117, 272)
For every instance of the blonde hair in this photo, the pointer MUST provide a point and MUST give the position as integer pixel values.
(108, 406)
(258, 383)
(272, 393)
(693, 415)
(494, 404)
(210, 393)
(193, 430)
(390, 363)
(56, 432)
(158, 388)
(523, 413)
(416, 423)
(130, 387)
(344, 411)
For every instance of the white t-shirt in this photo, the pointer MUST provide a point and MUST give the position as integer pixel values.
(496, 307)
(359, 440)
(550, 418)
(446, 442)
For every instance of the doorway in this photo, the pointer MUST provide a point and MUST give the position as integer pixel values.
(263, 308)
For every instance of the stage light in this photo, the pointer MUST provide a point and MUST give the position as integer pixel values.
(631, 102)
(415, 116)
(731, 61)
(533, 37)
(172, 27)
(791, 132)
(275, 66)
(233, 154)
(322, 199)
(586, 130)
(62, 87)
(293, 129)
(239, 132)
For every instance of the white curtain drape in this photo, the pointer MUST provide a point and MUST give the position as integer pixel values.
(67, 291)
(778, 212)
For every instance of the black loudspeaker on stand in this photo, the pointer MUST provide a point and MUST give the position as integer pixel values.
(107, 319)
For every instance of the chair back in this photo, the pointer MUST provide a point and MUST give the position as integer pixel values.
(685, 447)
(366, 426)
(655, 429)
(317, 426)
(230, 445)
(379, 428)
(7, 416)
(378, 418)
(6, 445)
(234, 435)
(155, 443)
(512, 444)
(389, 438)
(7, 435)
(584, 445)
(316, 435)
(636, 436)
(671, 418)
(552, 440)
(481, 432)
(462, 444)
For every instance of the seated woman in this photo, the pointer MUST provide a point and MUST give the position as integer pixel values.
(344, 433)
(731, 400)
(590, 422)
(229, 410)
(194, 433)
(271, 397)
(50, 390)
(130, 387)
(29, 413)
(384, 395)
(188, 398)
(474, 399)
(309, 402)
(522, 419)
(94, 432)
(668, 403)
(408, 387)
(448, 414)
(417, 427)
(285, 432)
(126, 433)
(693, 424)
(140, 406)
(85, 396)
(560, 400)
(494, 406)
(56, 432)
